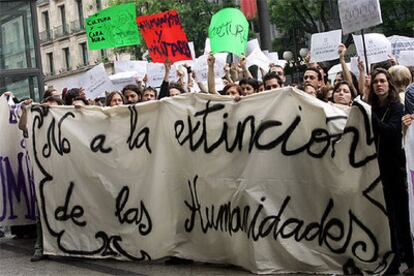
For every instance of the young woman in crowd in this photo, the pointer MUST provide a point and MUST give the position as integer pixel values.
(343, 93)
(387, 112)
(115, 98)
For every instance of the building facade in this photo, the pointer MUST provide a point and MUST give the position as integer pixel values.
(63, 40)
(20, 64)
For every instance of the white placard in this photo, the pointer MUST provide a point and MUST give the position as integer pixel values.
(401, 43)
(17, 194)
(257, 57)
(120, 80)
(200, 67)
(273, 184)
(377, 45)
(155, 73)
(406, 58)
(96, 82)
(207, 47)
(324, 46)
(359, 15)
(138, 66)
(272, 56)
(354, 66)
(251, 46)
(192, 50)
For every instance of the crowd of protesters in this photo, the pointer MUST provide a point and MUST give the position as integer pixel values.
(389, 89)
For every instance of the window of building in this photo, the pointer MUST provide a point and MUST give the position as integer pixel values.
(103, 54)
(19, 50)
(50, 63)
(66, 55)
(80, 13)
(63, 18)
(46, 21)
(98, 5)
(84, 50)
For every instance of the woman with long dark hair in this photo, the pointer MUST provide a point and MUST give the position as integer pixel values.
(387, 112)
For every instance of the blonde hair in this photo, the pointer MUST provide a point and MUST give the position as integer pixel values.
(401, 77)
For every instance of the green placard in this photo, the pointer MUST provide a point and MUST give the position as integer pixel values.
(228, 31)
(113, 27)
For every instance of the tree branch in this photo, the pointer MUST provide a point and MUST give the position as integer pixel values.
(323, 18)
(307, 12)
(305, 22)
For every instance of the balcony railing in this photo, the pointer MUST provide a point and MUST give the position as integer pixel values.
(61, 31)
(77, 26)
(46, 36)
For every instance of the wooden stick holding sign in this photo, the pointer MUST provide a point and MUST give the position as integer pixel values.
(365, 52)
(359, 15)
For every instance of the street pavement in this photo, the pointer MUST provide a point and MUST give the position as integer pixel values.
(15, 260)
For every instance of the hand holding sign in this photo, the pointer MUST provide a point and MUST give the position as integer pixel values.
(228, 31)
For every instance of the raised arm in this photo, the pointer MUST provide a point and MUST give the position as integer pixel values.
(211, 82)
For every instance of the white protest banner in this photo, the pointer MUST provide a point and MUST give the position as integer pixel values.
(377, 45)
(120, 80)
(17, 192)
(406, 58)
(409, 153)
(138, 66)
(401, 43)
(155, 73)
(359, 15)
(96, 82)
(257, 57)
(324, 46)
(200, 67)
(252, 45)
(275, 189)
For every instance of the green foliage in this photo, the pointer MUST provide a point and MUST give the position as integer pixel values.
(195, 15)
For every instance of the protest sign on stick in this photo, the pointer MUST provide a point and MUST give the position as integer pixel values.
(138, 66)
(164, 36)
(358, 15)
(228, 31)
(324, 46)
(96, 82)
(113, 27)
(378, 47)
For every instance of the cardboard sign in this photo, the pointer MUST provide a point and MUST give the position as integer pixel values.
(112, 27)
(17, 194)
(200, 67)
(164, 36)
(252, 45)
(138, 66)
(377, 45)
(406, 58)
(272, 56)
(358, 15)
(324, 46)
(228, 31)
(122, 79)
(96, 82)
(401, 43)
(155, 73)
(275, 184)
(257, 57)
